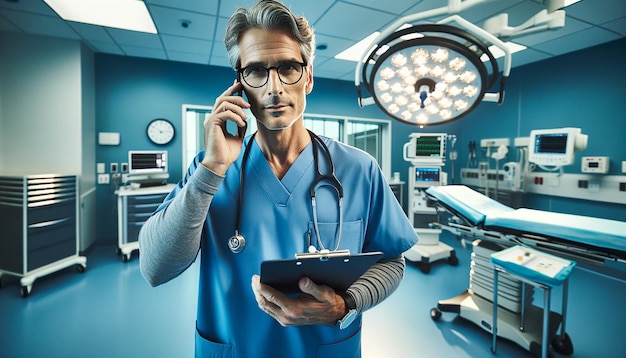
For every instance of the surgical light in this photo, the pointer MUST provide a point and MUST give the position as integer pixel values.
(442, 69)
(436, 72)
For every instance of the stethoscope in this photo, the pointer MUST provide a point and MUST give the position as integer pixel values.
(237, 242)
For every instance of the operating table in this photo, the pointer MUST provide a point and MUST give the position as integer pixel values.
(494, 226)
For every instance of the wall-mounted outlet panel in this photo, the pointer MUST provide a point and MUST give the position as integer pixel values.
(495, 142)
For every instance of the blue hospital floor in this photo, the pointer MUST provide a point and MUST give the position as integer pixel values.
(109, 311)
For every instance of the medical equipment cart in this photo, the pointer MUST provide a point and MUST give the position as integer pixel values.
(134, 207)
(540, 270)
(475, 304)
(40, 233)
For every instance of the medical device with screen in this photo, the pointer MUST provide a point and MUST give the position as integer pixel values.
(147, 167)
(146, 162)
(555, 146)
(426, 148)
(427, 176)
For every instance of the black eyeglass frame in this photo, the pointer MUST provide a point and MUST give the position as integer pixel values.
(268, 69)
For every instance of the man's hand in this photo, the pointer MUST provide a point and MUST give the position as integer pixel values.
(317, 304)
(222, 148)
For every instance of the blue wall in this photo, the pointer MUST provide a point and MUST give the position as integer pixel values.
(579, 89)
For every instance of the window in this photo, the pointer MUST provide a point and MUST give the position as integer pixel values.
(370, 135)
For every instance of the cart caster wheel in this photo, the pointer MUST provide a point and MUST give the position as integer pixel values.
(80, 268)
(435, 314)
(562, 345)
(26, 291)
(125, 257)
(425, 267)
(453, 260)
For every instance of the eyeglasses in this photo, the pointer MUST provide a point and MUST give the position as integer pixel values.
(257, 75)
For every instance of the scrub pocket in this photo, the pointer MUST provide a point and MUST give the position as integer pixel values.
(208, 349)
(349, 348)
(351, 238)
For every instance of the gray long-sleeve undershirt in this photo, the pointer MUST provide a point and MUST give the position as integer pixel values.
(169, 242)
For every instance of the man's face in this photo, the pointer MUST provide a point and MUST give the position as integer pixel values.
(275, 105)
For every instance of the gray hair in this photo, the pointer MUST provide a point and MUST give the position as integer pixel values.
(268, 15)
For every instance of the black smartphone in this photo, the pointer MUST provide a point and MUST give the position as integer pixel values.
(241, 131)
(240, 92)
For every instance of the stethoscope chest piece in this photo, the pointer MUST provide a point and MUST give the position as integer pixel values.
(236, 243)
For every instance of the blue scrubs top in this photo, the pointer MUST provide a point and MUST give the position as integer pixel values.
(277, 221)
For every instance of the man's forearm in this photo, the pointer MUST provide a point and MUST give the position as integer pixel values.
(169, 241)
(377, 283)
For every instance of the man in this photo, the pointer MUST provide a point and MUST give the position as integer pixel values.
(240, 219)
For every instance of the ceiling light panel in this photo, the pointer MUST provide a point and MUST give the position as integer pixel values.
(122, 14)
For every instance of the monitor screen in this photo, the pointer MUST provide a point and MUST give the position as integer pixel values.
(146, 162)
(551, 143)
(428, 146)
(427, 175)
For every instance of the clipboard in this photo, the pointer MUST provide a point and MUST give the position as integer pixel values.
(336, 270)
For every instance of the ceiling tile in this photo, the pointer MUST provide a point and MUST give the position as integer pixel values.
(597, 12)
(619, 26)
(35, 7)
(170, 22)
(5, 25)
(336, 23)
(39, 24)
(198, 6)
(134, 38)
(394, 7)
(91, 32)
(577, 41)
(182, 44)
(333, 45)
(228, 7)
(312, 10)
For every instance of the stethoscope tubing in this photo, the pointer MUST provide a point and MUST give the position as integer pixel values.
(237, 242)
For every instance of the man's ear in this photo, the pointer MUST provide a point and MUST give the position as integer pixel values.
(309, 84)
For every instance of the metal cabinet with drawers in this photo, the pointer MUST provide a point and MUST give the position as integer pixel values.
(134, 207)
(39, 235)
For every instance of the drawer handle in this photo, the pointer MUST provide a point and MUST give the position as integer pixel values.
(36, 204)
(47, 223)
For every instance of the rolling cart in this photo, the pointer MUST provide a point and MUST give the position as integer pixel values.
(541, 270)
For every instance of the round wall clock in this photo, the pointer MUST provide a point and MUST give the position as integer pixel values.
(160, 131)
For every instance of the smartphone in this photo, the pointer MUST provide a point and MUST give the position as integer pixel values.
(241, 131)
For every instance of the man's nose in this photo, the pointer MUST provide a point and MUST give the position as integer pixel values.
(274, 84)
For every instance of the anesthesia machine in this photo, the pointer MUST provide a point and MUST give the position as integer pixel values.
(427, 154)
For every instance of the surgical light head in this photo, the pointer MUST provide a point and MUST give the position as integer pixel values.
(427, 69)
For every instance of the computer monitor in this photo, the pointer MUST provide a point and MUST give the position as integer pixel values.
(555, 146)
